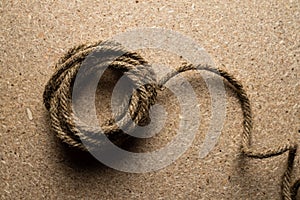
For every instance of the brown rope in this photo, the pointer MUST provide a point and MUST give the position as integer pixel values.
(289, 191)
(71, 130)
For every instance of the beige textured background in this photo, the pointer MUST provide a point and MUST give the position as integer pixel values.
(256, 41)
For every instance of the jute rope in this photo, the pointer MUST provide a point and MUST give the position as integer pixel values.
(71, 130)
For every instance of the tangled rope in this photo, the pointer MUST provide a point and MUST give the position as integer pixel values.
(71, 130)
(58, 96)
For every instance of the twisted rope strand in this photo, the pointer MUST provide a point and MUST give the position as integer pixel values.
(289, 192)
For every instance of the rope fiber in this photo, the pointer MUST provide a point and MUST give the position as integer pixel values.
(71, 130)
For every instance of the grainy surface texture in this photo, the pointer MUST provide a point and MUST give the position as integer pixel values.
(256, 41)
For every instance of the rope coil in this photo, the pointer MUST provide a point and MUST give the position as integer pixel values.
(69, 128)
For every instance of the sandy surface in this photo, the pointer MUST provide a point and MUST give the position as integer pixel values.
(257, 42)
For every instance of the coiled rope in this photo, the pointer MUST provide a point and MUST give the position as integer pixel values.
(71, 130)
